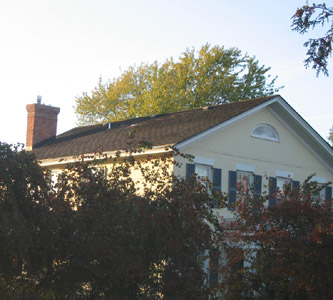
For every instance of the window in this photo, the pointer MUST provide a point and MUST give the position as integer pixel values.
(244, 182)
(54, 178)
(203, 171)
(283, 184)
(214, 175)
(278, 184)
(213, 267)
(236, 259)
(318, 193)
(266, 132)
(210, 263)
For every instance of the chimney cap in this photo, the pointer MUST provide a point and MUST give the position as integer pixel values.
(39, 99)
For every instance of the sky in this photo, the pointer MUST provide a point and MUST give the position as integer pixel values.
(60, 48)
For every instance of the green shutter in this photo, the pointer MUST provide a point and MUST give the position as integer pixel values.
(190, 170)
(217, 179)
(272, 191)
(295, 187)
(257, 185)
(295, 184)
(217, 183)
(328, 193)
(213, 265)
(232, 188)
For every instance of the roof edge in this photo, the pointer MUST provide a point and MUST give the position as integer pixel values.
(303, 131)
(90, 156)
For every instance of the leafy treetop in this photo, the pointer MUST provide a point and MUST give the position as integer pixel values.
(330, 137)
(213, 75)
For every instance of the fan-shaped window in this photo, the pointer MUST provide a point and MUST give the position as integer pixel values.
(266, 132)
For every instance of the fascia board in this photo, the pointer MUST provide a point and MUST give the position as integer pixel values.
(224, 124)
(303, 132)
(107, 154)
(304, 124)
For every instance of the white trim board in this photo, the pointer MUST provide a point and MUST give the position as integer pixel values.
(303, 132)
(246, 168)
(284, 174)
(204, 161)
(320, 180)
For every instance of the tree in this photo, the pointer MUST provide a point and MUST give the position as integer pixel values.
(330, 137)
(215, 75)
(280, 252)
(319, 49)
(27, 227)
(95, 237)
(128, 246)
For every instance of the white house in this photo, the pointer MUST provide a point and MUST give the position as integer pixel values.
(262, 141)
(234, 145)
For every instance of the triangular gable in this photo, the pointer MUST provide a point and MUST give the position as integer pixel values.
(289, 118)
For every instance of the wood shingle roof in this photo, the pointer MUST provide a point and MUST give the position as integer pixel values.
(159, 130)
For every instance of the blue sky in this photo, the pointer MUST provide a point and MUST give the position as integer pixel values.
(59, 49)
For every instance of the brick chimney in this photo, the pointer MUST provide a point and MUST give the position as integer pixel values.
(42, 123)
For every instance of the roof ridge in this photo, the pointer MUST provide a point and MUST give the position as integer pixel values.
(197, 108)
(84, 130)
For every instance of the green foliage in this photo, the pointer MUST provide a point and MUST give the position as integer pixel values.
(286, 249)
(27, 228)
(215, 75)
(330, 137)
(93, 236)
(319, 49)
